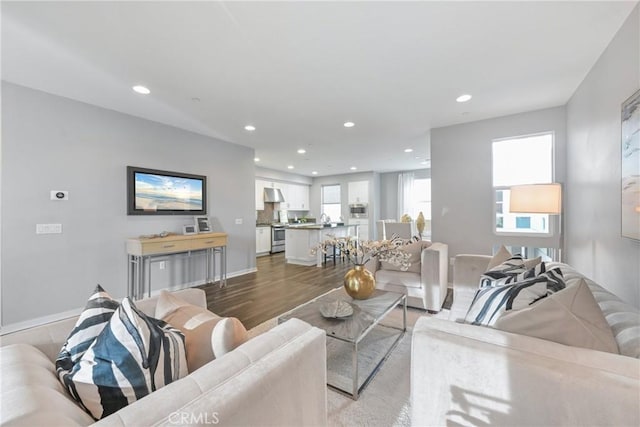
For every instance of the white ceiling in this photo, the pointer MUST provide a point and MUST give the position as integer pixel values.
(298, 70)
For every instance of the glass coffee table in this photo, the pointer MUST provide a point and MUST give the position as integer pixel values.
(359, 337)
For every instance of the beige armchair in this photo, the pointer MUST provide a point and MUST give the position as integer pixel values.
(425, 283)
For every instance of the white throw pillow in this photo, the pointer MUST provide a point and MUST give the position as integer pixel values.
(570, 316)
(207, 335)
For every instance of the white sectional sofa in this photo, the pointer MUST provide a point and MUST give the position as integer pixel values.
(463, 374)
(277, 378)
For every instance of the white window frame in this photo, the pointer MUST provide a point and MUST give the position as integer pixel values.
(322, 203)
(551, 230)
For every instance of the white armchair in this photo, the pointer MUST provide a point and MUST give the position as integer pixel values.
(425, 283)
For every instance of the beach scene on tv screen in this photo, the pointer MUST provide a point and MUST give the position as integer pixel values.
(160, 193)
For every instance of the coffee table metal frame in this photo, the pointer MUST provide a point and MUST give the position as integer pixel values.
(310, 313)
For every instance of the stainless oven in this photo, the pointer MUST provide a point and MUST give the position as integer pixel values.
(359, 210)
(277, 238)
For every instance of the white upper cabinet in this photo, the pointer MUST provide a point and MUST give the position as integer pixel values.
(296, 197)
(358, 192)
(259, 195)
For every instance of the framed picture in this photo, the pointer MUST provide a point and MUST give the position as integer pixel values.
(202, 224)
(189, 229)
(630, 167)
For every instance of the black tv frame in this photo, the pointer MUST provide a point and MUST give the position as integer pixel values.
(131, 198)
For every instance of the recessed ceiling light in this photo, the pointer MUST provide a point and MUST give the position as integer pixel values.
(353, 168)
(426, 162)
(250, 128)
(256, 159)
(290, 167)
(463, 98)
(141, 89)
(314, 173)
(302, 151)
(349, 124)
(408, 150)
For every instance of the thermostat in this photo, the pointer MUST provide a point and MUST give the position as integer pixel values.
(59, 195)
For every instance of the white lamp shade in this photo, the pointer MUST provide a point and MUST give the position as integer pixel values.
(538, 199)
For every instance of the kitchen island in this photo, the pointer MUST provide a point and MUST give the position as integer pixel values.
(301, 238)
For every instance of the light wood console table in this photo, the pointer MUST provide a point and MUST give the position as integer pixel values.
(141, 252)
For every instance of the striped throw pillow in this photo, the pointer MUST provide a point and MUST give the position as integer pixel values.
(92, 320)
(133, 356)
(491, 302)
(512, 271)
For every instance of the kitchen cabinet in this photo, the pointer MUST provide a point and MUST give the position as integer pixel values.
(358, 192)
(296, 197)
(263, 240)
(259, 195)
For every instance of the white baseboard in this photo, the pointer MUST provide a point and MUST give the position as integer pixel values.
(38, 321)
(19, 326)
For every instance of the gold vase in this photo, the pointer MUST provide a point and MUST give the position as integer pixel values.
(359, 282)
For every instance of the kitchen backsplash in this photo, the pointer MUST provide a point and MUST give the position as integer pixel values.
(267, 215)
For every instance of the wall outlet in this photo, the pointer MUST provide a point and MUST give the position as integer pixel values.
(162, 265)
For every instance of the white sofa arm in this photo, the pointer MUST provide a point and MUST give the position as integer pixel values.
(471, 375)
(275, 379)
(467, 270)
(434, 275)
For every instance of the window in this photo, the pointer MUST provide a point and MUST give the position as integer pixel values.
(331, 205)
(521, 160)
(421, 198)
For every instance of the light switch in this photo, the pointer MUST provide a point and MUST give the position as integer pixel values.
(238, 221)
(48, 228)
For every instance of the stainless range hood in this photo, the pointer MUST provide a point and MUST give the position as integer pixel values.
(273, 195)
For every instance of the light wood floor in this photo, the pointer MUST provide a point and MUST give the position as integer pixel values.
(274, 289)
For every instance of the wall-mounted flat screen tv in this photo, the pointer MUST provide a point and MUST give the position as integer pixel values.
(156, 192)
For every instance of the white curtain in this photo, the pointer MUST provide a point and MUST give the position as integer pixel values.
(405, 194)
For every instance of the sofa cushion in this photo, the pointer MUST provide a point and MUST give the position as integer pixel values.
(491, 302)
(133, 356)
(503, 255)
(31, 393)
(404, 278)
(570, 316)
(207, 335)
(499, 257)
(91, 322)
(415, 251)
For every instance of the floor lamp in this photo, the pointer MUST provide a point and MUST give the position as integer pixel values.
(539, 199)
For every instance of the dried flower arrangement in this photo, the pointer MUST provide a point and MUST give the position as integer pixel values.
(359, 252)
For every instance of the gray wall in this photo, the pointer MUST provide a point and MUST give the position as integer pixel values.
(267, 174)
(594, 242)
(53, 143)
(461, 179)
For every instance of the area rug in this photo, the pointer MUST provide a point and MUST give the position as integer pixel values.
(385, 401)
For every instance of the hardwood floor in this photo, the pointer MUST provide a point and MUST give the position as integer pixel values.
(274, 289)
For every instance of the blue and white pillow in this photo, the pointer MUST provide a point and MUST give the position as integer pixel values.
(511, 271)
(96, 314)
(133, 356)
(491, 302)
